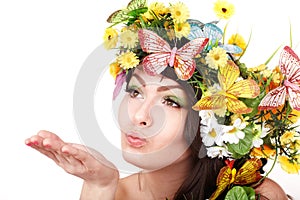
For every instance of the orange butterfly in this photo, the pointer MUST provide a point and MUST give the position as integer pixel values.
(247, 174)
(230, 91)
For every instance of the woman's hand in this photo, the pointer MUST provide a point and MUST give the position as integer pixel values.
(99, 174)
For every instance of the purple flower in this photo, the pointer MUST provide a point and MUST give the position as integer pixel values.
(120, 79)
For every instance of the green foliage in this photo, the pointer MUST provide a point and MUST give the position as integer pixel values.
(243, 147)
(240, 193)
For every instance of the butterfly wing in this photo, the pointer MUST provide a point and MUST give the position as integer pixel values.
(136, 4)
(123, 15)
(184, 64)
(184, 69)
(160, 51)
(152, 43)
(294, 96)
(117, 16)
(196, 29)
(230, 48)
(213, 32)
(155, 63)
(223, 181)
(290, 65)
(212, 102)
(249, 172)
(236, 106)
(192, 48)
(245, 89)
(273, 99)
(228, 74)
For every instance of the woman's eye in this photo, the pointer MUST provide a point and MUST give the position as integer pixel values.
(133, 93)
(170, 102)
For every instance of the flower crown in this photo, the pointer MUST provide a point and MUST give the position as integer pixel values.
(246, 113)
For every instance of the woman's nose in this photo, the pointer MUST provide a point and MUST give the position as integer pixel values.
(142, 116)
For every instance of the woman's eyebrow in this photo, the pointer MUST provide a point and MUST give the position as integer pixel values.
(159, 89)
(169, 87)
(139, 79)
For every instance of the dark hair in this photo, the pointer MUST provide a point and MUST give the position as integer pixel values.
(201, 182)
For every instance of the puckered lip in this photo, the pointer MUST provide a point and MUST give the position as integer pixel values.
(135, 140)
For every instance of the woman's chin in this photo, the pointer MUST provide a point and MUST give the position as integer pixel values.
(150, 161)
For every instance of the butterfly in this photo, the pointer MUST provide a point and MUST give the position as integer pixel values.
(213, 32)
(247, 174)
(131, 12)
(231, 90)
(161, 55)
(289, 64)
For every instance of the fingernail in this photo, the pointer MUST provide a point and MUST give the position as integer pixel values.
(29, 144)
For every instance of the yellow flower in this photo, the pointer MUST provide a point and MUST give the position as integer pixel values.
(179, 12)
(128, 60)
(216, 57)
(110, 38)
(287, 137)
(156, 8)
(114, 69)
(128, 39)
(266, 73)
(288, 165)
(238, 40)
(297, 145)
(265, 152)
(259, 68)
(295, 116)
(223, 9)
(236, 116)
(277, 76)
(182, 29)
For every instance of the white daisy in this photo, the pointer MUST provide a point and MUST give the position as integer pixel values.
(217, 151)
(211, 131)
(235, 133)
(261, 132)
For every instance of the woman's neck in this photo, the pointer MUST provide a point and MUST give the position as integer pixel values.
(165, 182)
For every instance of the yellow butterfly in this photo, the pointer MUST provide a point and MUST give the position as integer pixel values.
(247, 174)
(231, 90)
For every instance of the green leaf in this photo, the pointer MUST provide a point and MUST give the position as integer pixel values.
(236, 193)
(270, 58)
(244, 145)
(137, 12)
(250, 192)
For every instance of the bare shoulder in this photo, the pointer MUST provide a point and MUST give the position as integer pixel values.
(126, 187)
(269, 189)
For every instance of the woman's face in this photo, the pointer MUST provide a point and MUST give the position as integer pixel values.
(152, 118)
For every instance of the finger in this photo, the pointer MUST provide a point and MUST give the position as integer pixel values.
(48, 134)
(79, 154)
(34, 141)
(89, 157)
(53, 144)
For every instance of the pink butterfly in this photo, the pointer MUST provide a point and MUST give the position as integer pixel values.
(162, 55)
(289, 64)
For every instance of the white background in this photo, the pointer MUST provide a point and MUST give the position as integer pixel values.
(42, 47)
